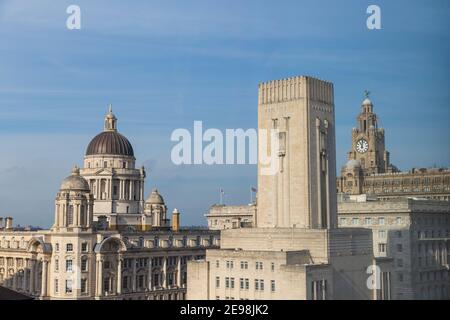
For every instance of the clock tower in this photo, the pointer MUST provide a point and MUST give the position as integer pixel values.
(368, 154)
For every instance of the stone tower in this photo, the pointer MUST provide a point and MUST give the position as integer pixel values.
(300, 191)
(368, 146)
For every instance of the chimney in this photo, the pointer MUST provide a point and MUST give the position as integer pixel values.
(1, 223)
(8, 223)
(175, 220)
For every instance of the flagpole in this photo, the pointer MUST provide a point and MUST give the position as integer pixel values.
(251, 195)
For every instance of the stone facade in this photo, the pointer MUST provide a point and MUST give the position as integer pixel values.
(369, 171)
(106, 241)
(230, 217)
(295, 250)
(415, 233)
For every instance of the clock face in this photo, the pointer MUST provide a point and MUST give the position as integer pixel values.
(362, 146)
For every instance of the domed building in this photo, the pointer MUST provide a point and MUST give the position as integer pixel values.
(107, 241)
(116, 184)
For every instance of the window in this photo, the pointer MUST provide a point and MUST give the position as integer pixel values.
(381, 221)
(68, 286)
(105, 164)
(83, 285)
(217, 263)
(355, 221)
(272, 285)
(84, 247)
(217, 282)
(382, 247)
(69, 247)
(247, 283)
(57, 247)
(368, 221)
(230, 264)
(272, 266)
(124, 165)
(343, 221)
(241, 283)
(56, 286)
(244, 265)
(382, 234)
(68, 265)
(84, 264)
(227, 282)
(106, 285)
(399, 247)
(259, 284)
(400, 263)
(232, 283)
(398, 233)
(259, 265)
(70, 215)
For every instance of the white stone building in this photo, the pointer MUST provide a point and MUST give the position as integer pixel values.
(295, 250)
(106, 242)
(414, 233)
(221, 216)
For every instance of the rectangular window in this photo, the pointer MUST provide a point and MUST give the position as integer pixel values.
(261, 284)
(256, 284)
(68, 265)
(343, 221)
(241, 283)
(56, 286)
(69, 247)
(382, 247)
(381, 221)
(84, 247)
(368, 221)
(83, 285)
(382, 234)
(56, 265)
(232, 283)
(217, 263)
(272, 266)
(227, 282)
(68, 286)
(247, 284)
(84, 264)
(355, 221)
(217, 282)
(272, 285)
(398, 220)
(106, 285)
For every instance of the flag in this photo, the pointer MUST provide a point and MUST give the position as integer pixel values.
(254, 189)
(221, 191)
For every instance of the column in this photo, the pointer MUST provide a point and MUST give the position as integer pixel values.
(179, 272)
(134, 275)
(99, 276)
(32, 276)
(150, 276)
(44, 278)
(119, 276)
(120, 189)
(131, 189)
(164, 276)
(25, 276)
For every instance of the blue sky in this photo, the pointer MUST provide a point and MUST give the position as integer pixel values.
(164, 64)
